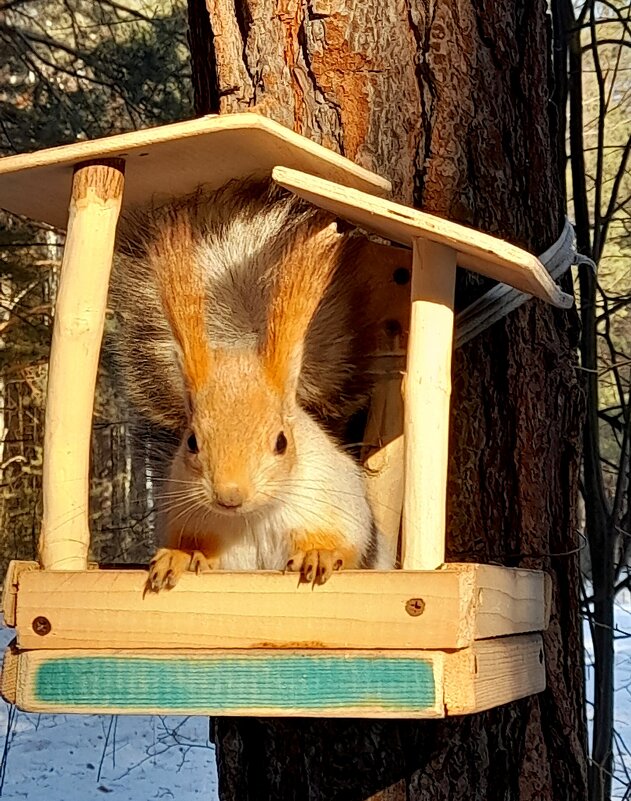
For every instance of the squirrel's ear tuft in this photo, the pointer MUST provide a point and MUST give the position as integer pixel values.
(180, 279)
(303, 275)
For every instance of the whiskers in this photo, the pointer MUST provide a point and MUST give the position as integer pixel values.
(182, 504)
(301, 495)
(314, 487)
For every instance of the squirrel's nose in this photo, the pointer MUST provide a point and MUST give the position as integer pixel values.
(229, 495)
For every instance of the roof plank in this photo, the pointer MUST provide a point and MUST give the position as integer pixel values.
(477, 251)
(172, 161)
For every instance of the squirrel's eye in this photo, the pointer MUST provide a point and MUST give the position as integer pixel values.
(191, 444)
(281, 444)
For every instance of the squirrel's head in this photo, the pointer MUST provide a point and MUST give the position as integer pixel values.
(239, 444)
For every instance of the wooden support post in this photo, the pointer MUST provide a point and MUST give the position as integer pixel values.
(383, 468)
(384, 487)
(382, 454)
(426, 417)
(95, 203)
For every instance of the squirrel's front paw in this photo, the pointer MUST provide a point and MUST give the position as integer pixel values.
(168, 564)
(316, 566)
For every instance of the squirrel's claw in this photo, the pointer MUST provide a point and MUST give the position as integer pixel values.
(315, 566)
(199, 563)
(168, 564)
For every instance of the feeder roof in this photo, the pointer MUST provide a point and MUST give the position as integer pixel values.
(482, 253)
(171, 161)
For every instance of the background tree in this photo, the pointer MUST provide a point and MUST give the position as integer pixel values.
(73, 69)
(595, 38)
(451, 101)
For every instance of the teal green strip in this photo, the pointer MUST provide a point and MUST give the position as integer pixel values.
(234, 682)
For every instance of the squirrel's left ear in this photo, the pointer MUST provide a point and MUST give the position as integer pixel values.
(302, 278)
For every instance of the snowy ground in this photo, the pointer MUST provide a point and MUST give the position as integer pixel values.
(86, 757)
(622, 703)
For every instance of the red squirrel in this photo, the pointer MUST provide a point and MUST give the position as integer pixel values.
(238, 334)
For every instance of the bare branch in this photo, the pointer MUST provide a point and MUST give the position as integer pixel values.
(613, 205)
(602, 111)
(126, 10)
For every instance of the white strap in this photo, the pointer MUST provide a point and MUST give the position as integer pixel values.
(503, 299)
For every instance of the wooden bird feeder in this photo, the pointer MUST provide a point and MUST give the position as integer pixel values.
(429, 640)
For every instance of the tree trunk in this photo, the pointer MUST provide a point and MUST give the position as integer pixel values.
(450, 100)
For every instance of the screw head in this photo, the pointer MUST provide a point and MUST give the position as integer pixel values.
(41, 626)
(415, 607)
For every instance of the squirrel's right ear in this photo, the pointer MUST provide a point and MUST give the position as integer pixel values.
(303, 277)
(182, 286)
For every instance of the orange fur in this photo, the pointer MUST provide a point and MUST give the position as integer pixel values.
(303, 278)
(207, 543)
(183, 293)
(325, 541)
(249, 408)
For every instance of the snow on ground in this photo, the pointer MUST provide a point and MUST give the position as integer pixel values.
(134, 758)
(622, 701)
(121, 758)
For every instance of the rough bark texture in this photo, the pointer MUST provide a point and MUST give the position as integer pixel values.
(450, 100)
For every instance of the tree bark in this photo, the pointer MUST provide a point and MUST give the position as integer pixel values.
(450, 100)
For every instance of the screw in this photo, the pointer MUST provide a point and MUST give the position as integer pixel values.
(41, 626)
(415, 607)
